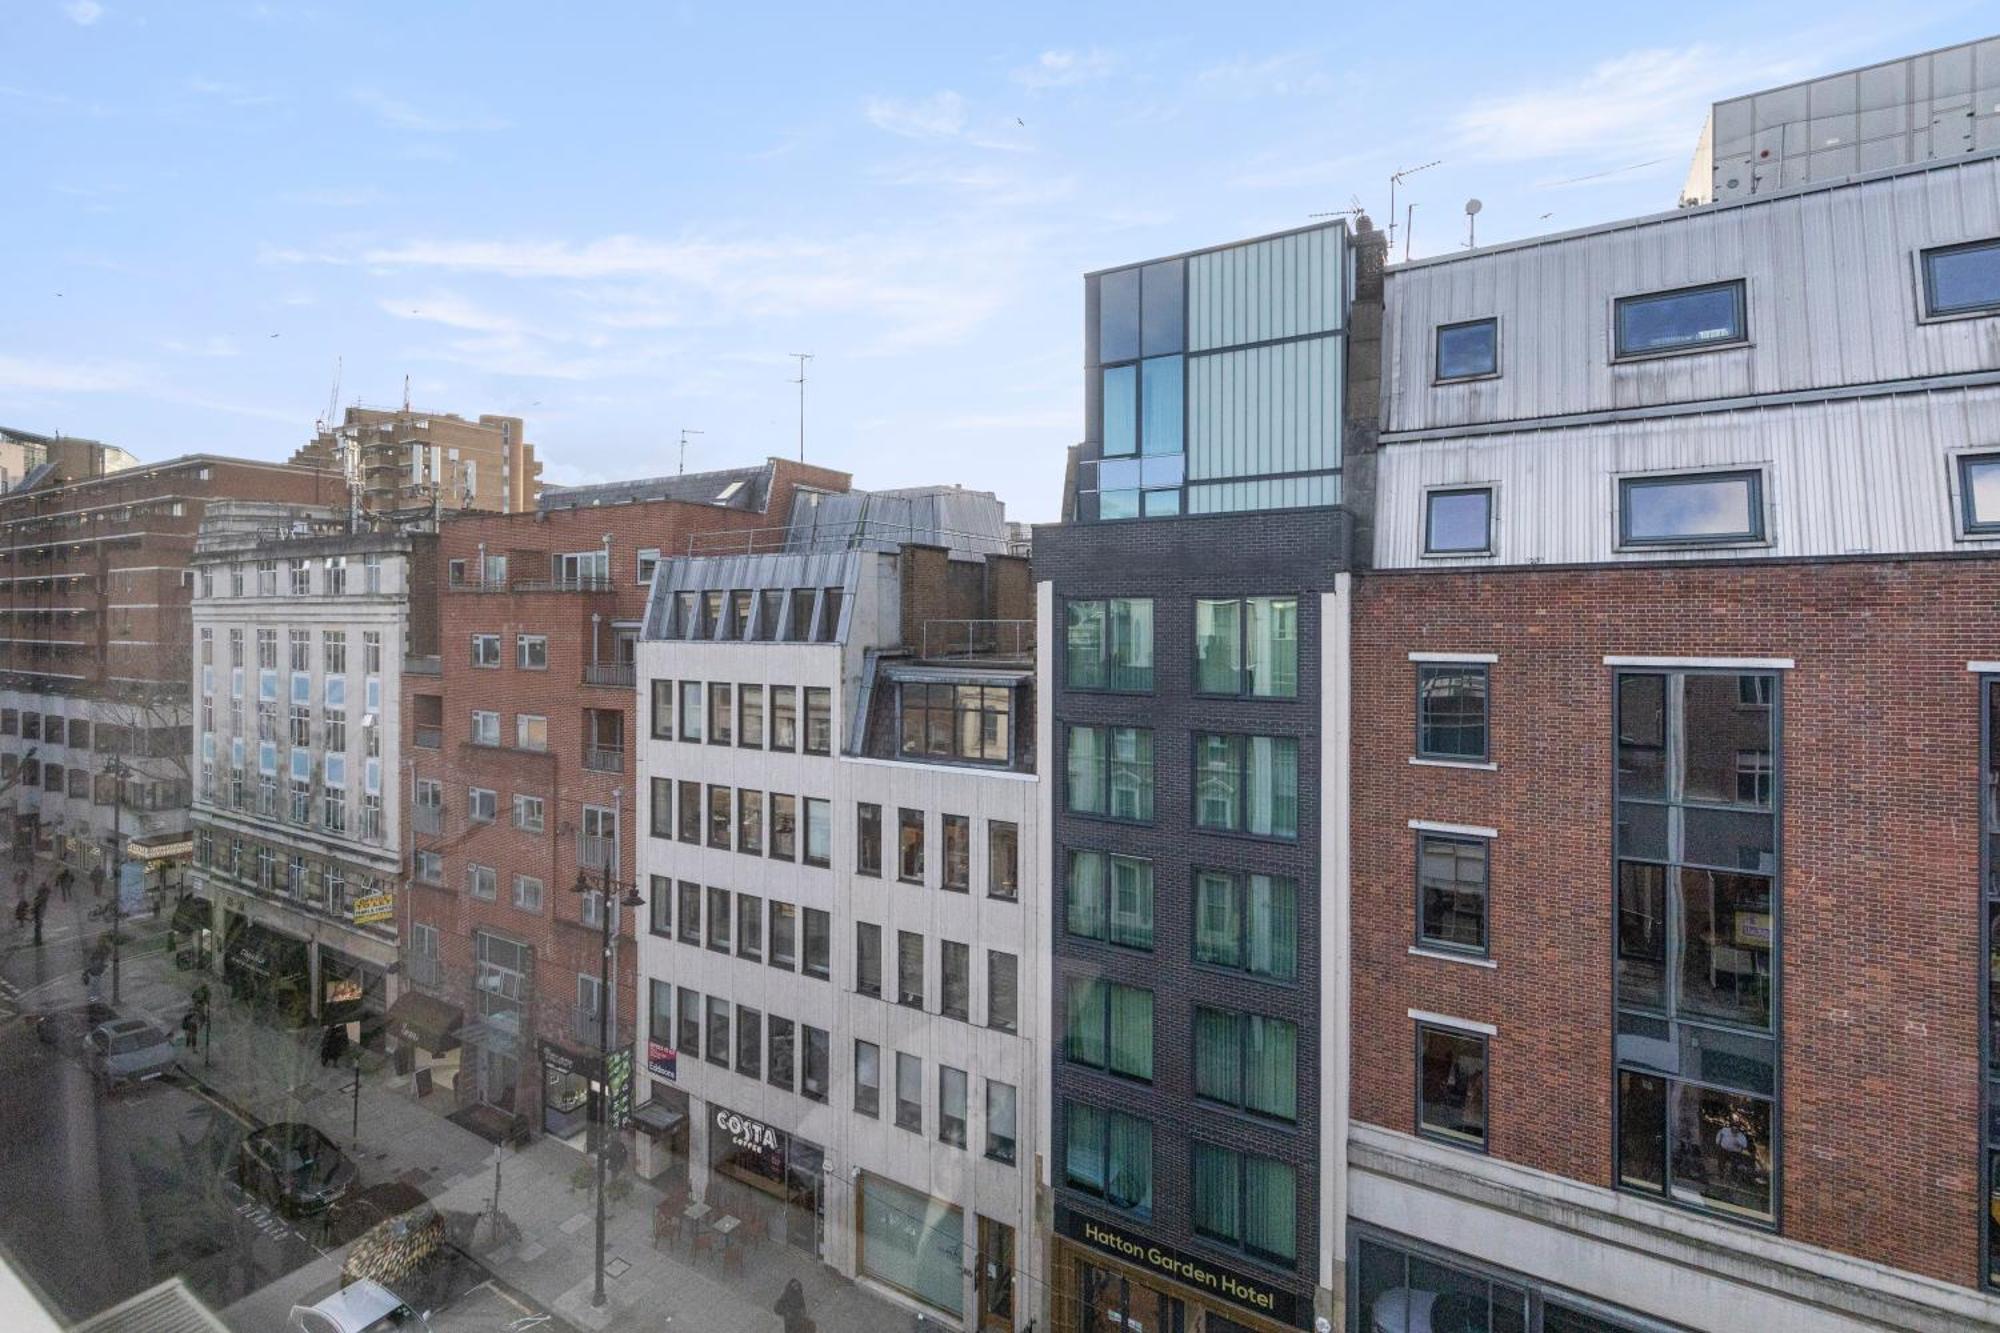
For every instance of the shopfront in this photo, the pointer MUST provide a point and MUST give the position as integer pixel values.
(1111, 1279)
(1404, 1286)
(193, 934)
(267, 968)
(768, 1162)
(571, 1082)
(353, 991)
(911, 1242)
(423, 1034)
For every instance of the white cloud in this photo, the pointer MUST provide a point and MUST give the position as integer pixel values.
(83, 13)
(939, 116)
(452, 311)
(400, 115)
(1065, 69)
(1292, 74)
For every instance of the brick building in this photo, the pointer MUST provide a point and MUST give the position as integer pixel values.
(520, 770)
(406, 460)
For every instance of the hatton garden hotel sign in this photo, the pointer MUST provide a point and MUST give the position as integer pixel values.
(1181, 1267)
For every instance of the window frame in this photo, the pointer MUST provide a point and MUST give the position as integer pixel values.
(1238, 827)
(1106, 785)
(1241, 1243)
(1428, 551)
(1970, 526)
(1243, 688)
(1927, 311)
(1105, 664)
(1438, 377)
(1759, 534)
(1461, 836)
(1239, 889)
(1463, 1032)
(1481, 665)
(1741, 291)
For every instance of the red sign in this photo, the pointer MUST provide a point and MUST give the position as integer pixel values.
(663, 1060)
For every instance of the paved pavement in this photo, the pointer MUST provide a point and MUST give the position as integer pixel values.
(273, 1074)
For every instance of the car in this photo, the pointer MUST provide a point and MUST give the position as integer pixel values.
(294, 1167)
(360, 1307)
(128, 1050)
(66, 1029)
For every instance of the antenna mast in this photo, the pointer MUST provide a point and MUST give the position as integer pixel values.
(685, 432)
(1395, 180)
(803, 357)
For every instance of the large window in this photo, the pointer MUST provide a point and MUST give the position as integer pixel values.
(1140, 423)
(1248, 1201)
(1003, 859)
(1697, 508)
(1451, 1085)
(1979, 493)
(1108, 1154)
(867, 1079)
(1000, 1118)
(1451, 711)
(1247, 784)
(1111, 772)
(868, 839)
(1697, 963)
(1692, 319)
(1962, 279)
(1111, 899)
(1247, 1060)
(1109, 645)
(970, 722)
(1451, 892)
(909, 1093)
(1247, 922)
(1458, 521)
(1109, 1027)
(1247, 646)
(1468, 351)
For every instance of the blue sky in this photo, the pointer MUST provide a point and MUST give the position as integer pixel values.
(617, 220)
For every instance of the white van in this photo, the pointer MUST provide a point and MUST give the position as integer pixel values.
(360, 1307)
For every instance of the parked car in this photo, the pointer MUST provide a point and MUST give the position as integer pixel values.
(362, 1307)
(294, 1167)
(66, 1029)
(128, 1050)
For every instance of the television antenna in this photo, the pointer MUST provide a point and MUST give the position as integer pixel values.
(1395, 179)
(803, 357)
(685, 432)
(1472, 207)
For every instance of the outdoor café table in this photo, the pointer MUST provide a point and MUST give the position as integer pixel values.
(696, 1211)
(726, 1224)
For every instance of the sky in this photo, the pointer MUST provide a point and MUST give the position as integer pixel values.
(618, 221)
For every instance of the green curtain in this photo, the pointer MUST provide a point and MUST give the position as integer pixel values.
(1217, 641)
(1085, 1032)
(1084, 655)
(1218, 924)
(1131, 644)
(1217, 1206)
(1086, 894)
(1271, 782)
(1132, 1032)
(1270, 1208)
(1274, 927)
(1218, 1063)
(1086, 770)
(1272, 646)
(1132, 902)
(1129, 1173)
(1271, 1066)
(1083, 1147)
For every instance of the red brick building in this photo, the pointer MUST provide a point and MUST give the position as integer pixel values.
(520, 742)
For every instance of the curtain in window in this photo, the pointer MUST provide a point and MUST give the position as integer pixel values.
(1132, 1031)
(1274, 927)
(1271, 786)
(1086, 894)
(1085, 1032)
(1086, 770)
(1270, 1207)
(1216, 1201)
(1131, 902)
(1132, 773)
(1083, 1153)
(1217, 1061)
(1216, 642)
(1218, 924)
(1084, 655)
(1271, 1066)
(1129, 1172)
(1131, 645)
(1271, 658)
(1217, 781)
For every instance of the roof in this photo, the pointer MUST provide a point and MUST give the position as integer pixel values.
(733, 488)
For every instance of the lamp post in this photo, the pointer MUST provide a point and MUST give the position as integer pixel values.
(628, 899)
(115, 766)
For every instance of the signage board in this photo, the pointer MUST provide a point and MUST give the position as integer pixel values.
(754, 1135)
(375, 907)
(619, 1063)
(663, 1061)
(1252, 1293)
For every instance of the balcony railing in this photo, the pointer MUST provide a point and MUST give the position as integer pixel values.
(427, 738)
(427, 818)
(427, 972)
(836, 535)
(423, 666)
(610, 673)
(604, 758)
(1010, 640)
(582, 583)
(583, 1026)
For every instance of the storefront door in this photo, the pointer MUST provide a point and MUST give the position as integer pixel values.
(1114, 1303)
(996, 1276)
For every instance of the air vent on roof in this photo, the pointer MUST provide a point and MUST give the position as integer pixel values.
(167, 1308)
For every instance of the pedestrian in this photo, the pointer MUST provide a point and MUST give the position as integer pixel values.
(97, 881)
(791, 1307)
(21, 913)
(64, 880)
(333, 1045)
(190, 1026)
(41, 906)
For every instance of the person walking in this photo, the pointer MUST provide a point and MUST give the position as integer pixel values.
(97, 881)
(333, 1045)
(41, 906)
(791, 1307)
(64, 879)
(190, 1027)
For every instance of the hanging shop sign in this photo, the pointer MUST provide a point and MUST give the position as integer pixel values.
(663, 1061)
(375, 907)
(343, 990)
(619, 1082)
(1189, 1270)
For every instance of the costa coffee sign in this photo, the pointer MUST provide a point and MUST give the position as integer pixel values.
(745, 1132)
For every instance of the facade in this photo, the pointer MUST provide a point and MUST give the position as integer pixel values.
(95, 661)
(1677, 665)
(1194, 630)
(301, 627)
(521, 780)
(842, 906)
(23, 451)
(427, 461)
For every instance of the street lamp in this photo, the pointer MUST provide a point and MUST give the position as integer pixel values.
(629, 899)
(115, 766)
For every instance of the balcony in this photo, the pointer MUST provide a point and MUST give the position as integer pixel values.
(427, 738)
(604, 759)
(423, 666)
(610, 673)
(427, 818)
(583, 1027)
(1001, 640)
(426, 972)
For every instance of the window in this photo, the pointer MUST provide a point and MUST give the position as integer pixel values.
(819, 832)
(750, 927)
(1110, 772)
(867, 839)
(718, 1031)
(690, 912)
(1111, 899)
(1695, 509)
(429, 867)
(750, 716)
(660, 1012)
(1451, 1085)
(784, 935)
(721, 819)
(647, 559)
(531, 732)
(336, 575)
(1468, 351)
(1003, 989)
(819, 720)
(957, 853)
(718, 919)
(528, 893)
(784, 717)
(482, 882)
(970, 722)
(663, 710)
(1458, 521)
(951, 1106)
(720, 730)
(818, 944)
(690, 811)
(910, 846)
(1000, 1117)
(1692, 319)
(1247, 784)
(531, 652)
(749, 1041)
(1247, 646)
(1108, 1154)
(1979, 493)
(1962, 279)
(1451, 711)
(909, 1093)
(660, 808)
(784, 826)
(1696, 940)
(1108, 645)
(301, 579)
(485, 727)
(1247, 922)
(955, 981)
(1247, 1060)
(909, 969)
(482, 805)
(1451, 892)
(689, 1007)
(867, 1079)
(1109, 1027)
(1003, 859)
(691, 710)
(486, 650)
(1251, 1202)
(868, 959)
(750, 822)
(778, 1070)
(660, 908)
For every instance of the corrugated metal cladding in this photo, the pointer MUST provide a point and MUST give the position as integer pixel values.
(1265, 409)
(1831, 282)
(1234, 497)
(1864, 476)
(1280, 288)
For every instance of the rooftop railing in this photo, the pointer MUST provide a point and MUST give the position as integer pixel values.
(837, 536)
(1011, 640)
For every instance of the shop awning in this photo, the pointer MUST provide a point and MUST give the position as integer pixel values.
(426, 1021)
(161, 847)
(193, 913)
(264, 953)
(658, 1119)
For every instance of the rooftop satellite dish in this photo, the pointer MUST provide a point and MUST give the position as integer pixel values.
(1472, 207)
